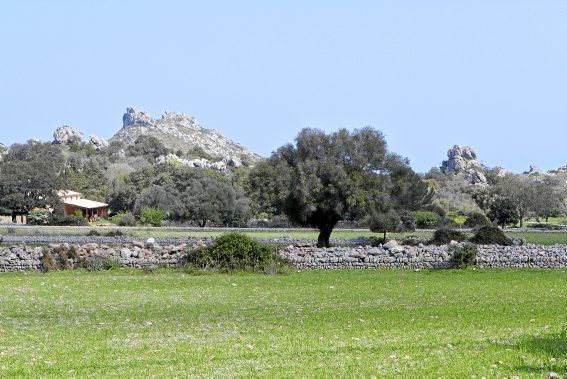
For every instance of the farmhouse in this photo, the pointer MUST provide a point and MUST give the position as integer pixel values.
(74, 203)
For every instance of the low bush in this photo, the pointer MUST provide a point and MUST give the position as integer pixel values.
(413, 241)
(408, 221)
(152, 216)
(235, 251)
(98, 263)
(426, 219)
(490, 235)
(546, 226)
(39, 217)
(456, 218)
(114, 233)
(124, 219)
(93, 232)
(376, 241)
(476, 219)
(444, 236)
(463, 255)
(69, 221)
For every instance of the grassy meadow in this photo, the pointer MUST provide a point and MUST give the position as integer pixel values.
(536, 237)
(393, 323)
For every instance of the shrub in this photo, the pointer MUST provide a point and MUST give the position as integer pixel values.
(39, 217)
(376, 241)
(98, 263)
(456, 218)
(546, 226)
(490, 235)
(426, 219)
(152, 216)
(114, 233)
(47, 263)
(383, 222)
(476, 219)
(93, 232)
(413, 241)
(444, 236)
(124, 219)
(463, 255)
(235, 251)
(69, 221)
(408, 220)
(58, 259)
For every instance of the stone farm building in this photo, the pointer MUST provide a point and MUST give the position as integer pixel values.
(74, 203)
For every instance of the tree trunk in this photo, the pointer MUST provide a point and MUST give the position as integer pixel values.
(203, 223)
(384, 236)
(324, 235)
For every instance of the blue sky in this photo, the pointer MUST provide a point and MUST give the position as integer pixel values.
(429, 74)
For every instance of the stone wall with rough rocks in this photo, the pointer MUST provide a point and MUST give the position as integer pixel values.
(393, 255)
(135, 254)
(139, 254)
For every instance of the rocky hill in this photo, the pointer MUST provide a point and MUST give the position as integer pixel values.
(462, 159)
(179, 131)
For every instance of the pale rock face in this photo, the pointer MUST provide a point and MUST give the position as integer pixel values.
(463, 159)
(234, 162)
(179, 131)
(3, 151)
(199, 163)
(535, 170)
(502, 172)
(98, 142)
(66, 135)
(134, 116)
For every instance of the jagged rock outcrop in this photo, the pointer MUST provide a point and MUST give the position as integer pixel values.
(462, 159)
(179, 131)
(200, 162)
(535, 170)
(3, 151)
(501, 171)
(66, 135)
(98, 142)
(134, 116)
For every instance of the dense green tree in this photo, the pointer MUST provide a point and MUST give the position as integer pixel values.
(409, 190)
(155, 197)
(504, 211)
(383, 222)
(189, 194)
(30, 175)
(211, 198)
(147, 146)
(324, 178)
(549, 198)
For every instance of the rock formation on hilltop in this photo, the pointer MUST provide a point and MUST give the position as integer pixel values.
(66, 135)
(462, 159)
(3, 151)
(98, 142)
(179, 131)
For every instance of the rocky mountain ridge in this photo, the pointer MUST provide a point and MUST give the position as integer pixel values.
(463, 159)
(180, 131)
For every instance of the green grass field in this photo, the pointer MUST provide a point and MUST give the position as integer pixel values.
(393, 323)
(541, 238)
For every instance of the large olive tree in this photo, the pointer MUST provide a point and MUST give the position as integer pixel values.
(30, 175)
(325, 178)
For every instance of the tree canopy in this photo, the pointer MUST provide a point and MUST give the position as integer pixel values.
(30, 175)
(325, 178)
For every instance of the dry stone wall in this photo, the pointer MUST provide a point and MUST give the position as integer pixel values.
(422, 257)
(139, 254)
